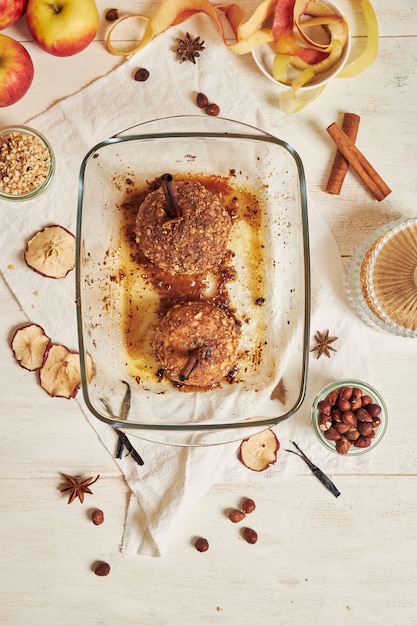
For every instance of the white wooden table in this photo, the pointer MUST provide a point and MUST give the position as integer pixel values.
(354, 563)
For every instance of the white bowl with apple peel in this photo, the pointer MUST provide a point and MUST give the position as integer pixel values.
(264, 56)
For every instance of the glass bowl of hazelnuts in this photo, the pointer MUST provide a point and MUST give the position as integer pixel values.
(349, 417)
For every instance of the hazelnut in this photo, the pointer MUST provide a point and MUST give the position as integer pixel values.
(236, 516)
(336, 415)
(248, 506)
(112, 15)
(333, 397)
(356, 392)
(365, 428)
(141, 75)
(343, 404)
(324, 407)
(202, 100)
(343, 445)
(363, 415)
(331, 434)
(212, 109)
(324, 421)
(341, 427)
(349, 418)
(352, 434)
(374, 410)
(362, 442)
(201, 544)
(345, 393)
(366, 400)
(102, 569)
(250, 535)
(97, 517)
(355, 403)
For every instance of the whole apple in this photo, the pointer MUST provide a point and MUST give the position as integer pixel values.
(62, 27)
(11, 11)
(16, 71)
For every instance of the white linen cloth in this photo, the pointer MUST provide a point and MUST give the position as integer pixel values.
(172, 479)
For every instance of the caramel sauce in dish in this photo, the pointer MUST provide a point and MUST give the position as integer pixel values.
(237, 287)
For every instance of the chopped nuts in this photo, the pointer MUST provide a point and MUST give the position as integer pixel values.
(24, 164)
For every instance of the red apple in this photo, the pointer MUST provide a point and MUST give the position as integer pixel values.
(16, 71)
(11, 11)
(62, 27)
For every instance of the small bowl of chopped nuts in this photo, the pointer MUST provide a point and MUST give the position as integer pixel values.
(349, 417)
(27, 163)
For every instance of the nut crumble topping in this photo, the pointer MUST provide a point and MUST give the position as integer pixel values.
(24, 164)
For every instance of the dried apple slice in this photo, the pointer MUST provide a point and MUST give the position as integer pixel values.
(29, 345)
(60, 375)
(51, 252)
(259, 451)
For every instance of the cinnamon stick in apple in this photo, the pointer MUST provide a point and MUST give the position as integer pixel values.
(368, 175)
(350, 126)
(191, 364)
(169, 188)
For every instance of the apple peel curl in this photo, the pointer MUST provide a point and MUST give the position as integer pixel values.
(370, 52)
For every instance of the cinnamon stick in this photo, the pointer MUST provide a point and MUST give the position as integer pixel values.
(190, 364)
(368, 175)
(170, 190)
(350, 126)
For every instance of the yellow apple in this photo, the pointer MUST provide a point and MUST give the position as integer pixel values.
(16, 71)
(11, 11)
(62, 27)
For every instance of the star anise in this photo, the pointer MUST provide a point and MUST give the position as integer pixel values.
(189, 48)
(323, 342)
(77, 488)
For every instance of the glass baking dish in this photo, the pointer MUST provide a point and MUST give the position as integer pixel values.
(126, 391)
